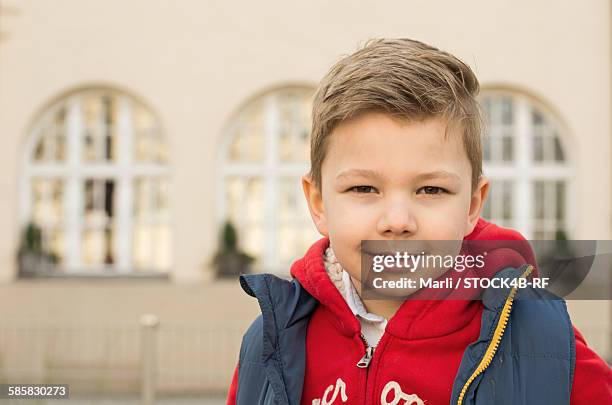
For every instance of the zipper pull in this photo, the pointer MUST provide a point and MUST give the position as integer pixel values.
(367, 357)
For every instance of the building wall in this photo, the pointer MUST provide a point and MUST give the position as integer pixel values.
(196, 63)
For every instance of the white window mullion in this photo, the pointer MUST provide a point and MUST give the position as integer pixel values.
(551, 201)
(125, 188)
(256, 169)
(498, 172)
(523, 195)
(271, 131)
(98, 171)
(497, 212)
(100, 131)
(496, 133)
(74, 186)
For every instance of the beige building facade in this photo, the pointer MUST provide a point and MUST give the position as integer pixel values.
(132, 129)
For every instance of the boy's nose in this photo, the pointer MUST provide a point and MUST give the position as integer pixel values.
(397, 221)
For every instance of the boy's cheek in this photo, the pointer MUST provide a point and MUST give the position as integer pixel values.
(359, 219)
(347, 247)
(356, 276)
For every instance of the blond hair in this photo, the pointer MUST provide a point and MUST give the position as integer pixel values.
(406, 79)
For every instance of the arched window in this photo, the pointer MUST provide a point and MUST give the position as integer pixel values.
(525, 158)
(266, 151)
(96, 184)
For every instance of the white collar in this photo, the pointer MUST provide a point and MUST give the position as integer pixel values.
(355, 303)
(343, 282)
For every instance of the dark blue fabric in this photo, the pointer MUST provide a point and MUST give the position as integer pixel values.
(272, 355)
(534, 362)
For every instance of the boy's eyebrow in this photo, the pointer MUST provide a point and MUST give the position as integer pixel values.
(439, 174)
(361, 172)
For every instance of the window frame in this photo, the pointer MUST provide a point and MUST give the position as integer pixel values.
(74, 171)
(271, 170)
(523, 171)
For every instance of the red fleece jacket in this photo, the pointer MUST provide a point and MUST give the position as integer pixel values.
(419, 354)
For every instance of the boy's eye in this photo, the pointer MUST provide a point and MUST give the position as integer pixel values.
(431, 190)
(362, 189)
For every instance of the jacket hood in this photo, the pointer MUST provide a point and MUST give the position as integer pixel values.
(417, 318)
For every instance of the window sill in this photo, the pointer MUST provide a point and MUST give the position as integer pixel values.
(101, 275)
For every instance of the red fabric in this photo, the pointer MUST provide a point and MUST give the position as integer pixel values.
(592, 377)
(231, 394)
(420, 352)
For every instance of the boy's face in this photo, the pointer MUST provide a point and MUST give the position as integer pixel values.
(384, 179)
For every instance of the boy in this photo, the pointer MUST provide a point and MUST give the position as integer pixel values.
(396, 155)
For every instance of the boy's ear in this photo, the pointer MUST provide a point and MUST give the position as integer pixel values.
(315, 205)
(479, 196)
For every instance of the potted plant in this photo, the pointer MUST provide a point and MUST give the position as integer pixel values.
(565, 263)
(31, 254)
(229, 260)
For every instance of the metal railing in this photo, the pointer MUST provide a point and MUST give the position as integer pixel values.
(144, 358)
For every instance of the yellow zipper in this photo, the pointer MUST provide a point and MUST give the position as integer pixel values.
(497, 336)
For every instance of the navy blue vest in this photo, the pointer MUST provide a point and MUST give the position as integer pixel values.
(533, 364)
